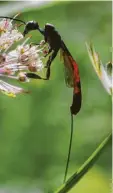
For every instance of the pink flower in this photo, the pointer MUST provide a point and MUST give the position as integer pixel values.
(15, 63)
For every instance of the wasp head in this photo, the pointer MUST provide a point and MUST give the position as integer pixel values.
(31, 25)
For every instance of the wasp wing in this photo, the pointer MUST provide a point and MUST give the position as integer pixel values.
(68, 69)
(71, 71)
(72, 79)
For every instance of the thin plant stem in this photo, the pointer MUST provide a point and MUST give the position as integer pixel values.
(77, 176)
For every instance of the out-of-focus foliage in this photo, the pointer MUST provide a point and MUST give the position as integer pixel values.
(35, 129)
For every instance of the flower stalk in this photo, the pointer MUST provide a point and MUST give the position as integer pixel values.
(77, 176)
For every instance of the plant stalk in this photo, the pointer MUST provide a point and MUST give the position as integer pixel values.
(76, 177)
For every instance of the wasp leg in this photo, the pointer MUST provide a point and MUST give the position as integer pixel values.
(51, 58)
(34, 76)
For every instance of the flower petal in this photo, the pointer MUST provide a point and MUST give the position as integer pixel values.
(10, 90)
(99, 68)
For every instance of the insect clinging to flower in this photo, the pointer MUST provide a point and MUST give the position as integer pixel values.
(72, 76)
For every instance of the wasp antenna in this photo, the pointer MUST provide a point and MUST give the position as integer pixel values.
(69, 151)
(14, 19)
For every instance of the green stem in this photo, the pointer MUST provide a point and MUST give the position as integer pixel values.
(72, 181)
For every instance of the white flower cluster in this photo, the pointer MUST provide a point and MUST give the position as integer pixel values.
(8, 34)
(15, 63)
(104, 72)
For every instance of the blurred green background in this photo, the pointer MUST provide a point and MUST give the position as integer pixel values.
(35, 129)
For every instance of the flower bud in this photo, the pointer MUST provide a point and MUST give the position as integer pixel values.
(45, 52)
(2, 59)
(32, 68)
(22, 77)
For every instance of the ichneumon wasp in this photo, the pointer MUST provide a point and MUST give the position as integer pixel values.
(72, 76)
